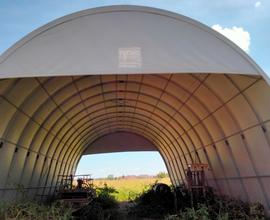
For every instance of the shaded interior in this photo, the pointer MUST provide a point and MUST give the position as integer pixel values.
(48, 123)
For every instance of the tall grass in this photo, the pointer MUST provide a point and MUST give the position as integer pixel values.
(129, 189)
(29, 210)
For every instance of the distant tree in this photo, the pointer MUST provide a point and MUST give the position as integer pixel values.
(110, 177)
(161, 175)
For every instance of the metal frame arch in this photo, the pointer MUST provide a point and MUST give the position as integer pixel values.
(163, 155)
(241, 92)
(103, 114)
(85, 116)
(121, 129)
(90, 126)
(160, 150)
(99, 94)
(139, 126)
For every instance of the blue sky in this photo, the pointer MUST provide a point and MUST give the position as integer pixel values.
(245, 21)
(118, 164)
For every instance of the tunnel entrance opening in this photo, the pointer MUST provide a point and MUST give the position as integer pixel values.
(126, 175)
(130, 173)
(135, 164)
(125, 156)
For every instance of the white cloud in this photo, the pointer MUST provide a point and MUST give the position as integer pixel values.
(257, 4)
(236, 34)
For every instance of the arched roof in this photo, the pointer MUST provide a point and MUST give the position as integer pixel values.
(210, 105)
(92, 41)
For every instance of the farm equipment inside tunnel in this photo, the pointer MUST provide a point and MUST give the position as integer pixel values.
(171, 82)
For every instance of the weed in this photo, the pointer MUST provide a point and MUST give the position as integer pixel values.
(34, 211)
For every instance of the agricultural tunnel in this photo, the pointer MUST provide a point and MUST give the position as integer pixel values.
(158, 78)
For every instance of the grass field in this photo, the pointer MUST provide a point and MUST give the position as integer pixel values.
(129, 188)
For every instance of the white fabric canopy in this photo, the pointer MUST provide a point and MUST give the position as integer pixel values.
(124, 39)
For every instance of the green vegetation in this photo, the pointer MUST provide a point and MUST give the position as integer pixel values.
(129, 188)
(147, 199)
(34, 211)
(160, 204)
(110, 177)
(202, 213)
(106, 198)
(103, 207)
(153, 203)
(162, 175)
(205, 212)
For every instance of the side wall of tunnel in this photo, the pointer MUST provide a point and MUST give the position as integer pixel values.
(221, 120)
